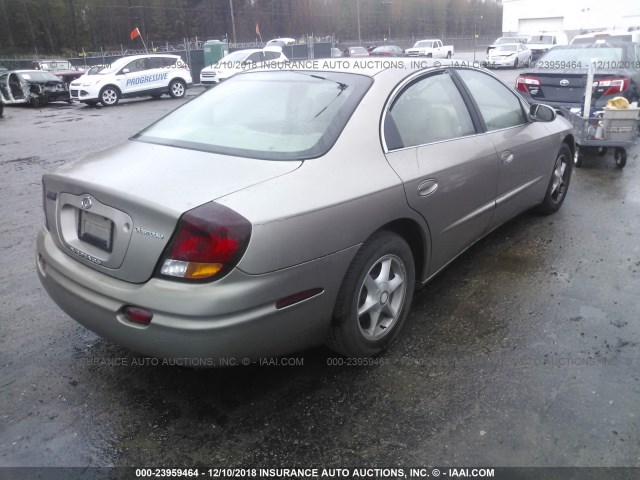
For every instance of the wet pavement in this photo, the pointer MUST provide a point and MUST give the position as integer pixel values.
(523, 352)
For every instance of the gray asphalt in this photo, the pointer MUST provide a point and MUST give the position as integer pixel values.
(523, 352)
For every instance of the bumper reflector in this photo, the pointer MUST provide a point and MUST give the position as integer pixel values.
(298, 297)
(138, 315)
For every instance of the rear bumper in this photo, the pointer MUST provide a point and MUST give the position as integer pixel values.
(233, 318)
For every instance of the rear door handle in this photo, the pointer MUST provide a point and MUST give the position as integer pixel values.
(507, 157)
(427, 187)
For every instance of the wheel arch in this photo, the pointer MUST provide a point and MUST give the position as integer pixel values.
(112, 86)
(571, 142)
(416, 238)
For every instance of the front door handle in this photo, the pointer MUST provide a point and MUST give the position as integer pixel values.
(427, 187)
(507, 157)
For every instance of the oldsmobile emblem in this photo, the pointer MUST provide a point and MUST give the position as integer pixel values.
(86, 203)
(564, 82)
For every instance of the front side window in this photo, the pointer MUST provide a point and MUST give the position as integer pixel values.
(136, 65)
(498, 105)
(429, 110)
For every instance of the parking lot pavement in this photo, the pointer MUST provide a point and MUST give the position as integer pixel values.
(524, 351)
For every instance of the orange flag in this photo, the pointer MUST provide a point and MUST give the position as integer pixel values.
(134, 33)
(258, 30)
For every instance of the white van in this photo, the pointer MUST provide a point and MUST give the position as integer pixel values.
(540, 42)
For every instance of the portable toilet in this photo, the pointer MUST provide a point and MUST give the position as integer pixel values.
(214, 50)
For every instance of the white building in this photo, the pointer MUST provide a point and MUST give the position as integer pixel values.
(571, 16)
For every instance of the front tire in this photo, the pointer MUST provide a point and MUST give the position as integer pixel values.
(559, 182)
(177, 89)
(374, 298)
(109, 96)
(515, 63)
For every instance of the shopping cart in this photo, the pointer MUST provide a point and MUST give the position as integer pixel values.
(611, 128)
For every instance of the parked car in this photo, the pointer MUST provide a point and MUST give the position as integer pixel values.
(239, 61)
(93, 70)
(540, 43)
(233, 227)
(630, 35)
(336, 52)
(387, 51)
(355, 52)
(507, 40)
(134, 76)
(431, 48)
(280, 42)
(560, 76)
(34, 87)
(509, 55)
(60, 68)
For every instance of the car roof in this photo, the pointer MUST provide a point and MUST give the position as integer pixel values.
(370, 67)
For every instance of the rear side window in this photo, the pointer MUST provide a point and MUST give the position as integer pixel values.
(430, 110)
(498, 105)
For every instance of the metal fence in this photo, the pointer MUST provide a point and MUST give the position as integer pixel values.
(192, 51)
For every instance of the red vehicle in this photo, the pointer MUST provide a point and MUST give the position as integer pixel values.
(387, 51)
(60, 68)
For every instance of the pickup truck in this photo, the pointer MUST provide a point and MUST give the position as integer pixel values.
(431, 48)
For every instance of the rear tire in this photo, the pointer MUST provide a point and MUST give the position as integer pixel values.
(374, 298)
(559, 182)
(177, 89)
(620, 157)
(578, 158)
(515, 63)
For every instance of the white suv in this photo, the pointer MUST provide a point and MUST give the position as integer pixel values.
(136, 76)
(240, 61)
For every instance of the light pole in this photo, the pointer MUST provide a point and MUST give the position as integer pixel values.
(388, 4)
(233, 21)
(475, 34)
(359, 35)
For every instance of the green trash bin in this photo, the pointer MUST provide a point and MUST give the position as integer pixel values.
(214, 50)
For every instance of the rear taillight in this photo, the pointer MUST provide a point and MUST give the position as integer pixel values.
(44, 204)
(523, 81)
(207, 243)
(612, 86)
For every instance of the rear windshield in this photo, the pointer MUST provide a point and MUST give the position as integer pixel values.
(583, 55)
(39, 76)
(277, 115)
(609, 38)
(503, 40)
(506, 48)
(541, 39)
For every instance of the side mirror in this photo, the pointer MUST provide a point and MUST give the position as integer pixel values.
(542, 113)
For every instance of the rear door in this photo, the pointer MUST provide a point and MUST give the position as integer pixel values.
(523, 147)
(449, 172)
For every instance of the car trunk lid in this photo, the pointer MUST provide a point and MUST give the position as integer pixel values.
(116, 211)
